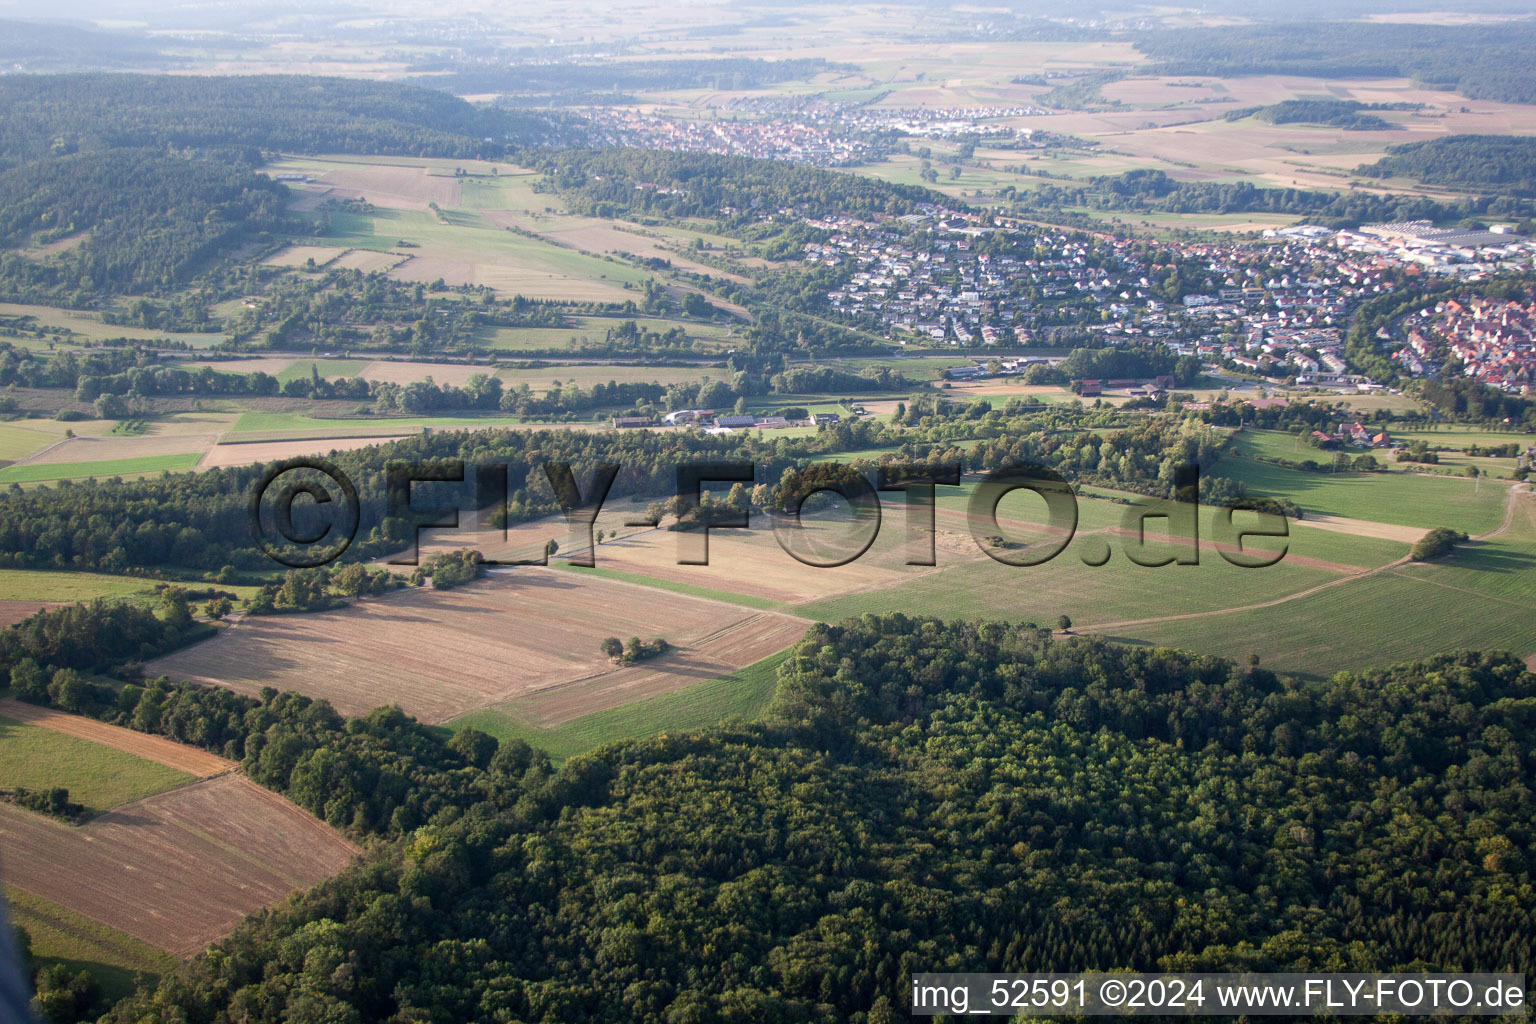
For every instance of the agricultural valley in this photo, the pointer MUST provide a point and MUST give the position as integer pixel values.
(833, 494)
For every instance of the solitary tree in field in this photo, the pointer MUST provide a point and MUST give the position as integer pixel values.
(613, 647)
(1064, 623)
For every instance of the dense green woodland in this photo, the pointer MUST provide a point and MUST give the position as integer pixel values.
(1486, 62)
(178, 214)
(54, 114)
(1495, 163)
(603, 182)
(921, 796)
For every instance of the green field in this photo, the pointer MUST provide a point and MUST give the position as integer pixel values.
(741, 695)
(465, 235)
(1375, 621)
(33, 585)
(63, 936)
(1399, 497)
(329, 369)
(96, 776)
(33, 472)
(1455, 435)
(544, 378)
(17, 442)
(1479, 597)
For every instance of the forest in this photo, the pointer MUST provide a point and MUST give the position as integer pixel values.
(178, 213)
(920, 796)
(732, 189)
(1500, 164)
(1486, 62)
(51, 115)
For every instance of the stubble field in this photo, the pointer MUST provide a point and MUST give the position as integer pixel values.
(530, 631)
(178, 870)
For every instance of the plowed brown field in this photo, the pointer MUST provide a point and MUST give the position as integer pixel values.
(438, 654)
(178, 870)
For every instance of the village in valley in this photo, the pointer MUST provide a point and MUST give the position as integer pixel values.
(1275, 308)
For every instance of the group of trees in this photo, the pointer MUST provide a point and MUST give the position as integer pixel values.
(1351, 115)
(731, 189)
(452, 568)
(54, 802)
(1134, 361)
(145, 237)
(1436, 544)
(633, 650)
(1494, 163)
(921, 794)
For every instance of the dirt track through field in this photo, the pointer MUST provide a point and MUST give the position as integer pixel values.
(103, 449)
(178, 870)
(151, 748)
(1509, 518)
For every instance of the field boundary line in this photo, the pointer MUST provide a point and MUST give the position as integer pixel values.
(39, 454)
(200, 764)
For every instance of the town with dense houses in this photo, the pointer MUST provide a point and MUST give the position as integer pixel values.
(1492, 340)
(1274, 308)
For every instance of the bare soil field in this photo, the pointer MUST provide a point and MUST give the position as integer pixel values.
(151, 748)
(749, 563)
(270, 451)
(369, 261)
(264, 364)
(1363, 527)
(298, 255)
(525, 280)
(394, 186)
(433, 268)
(101, 449)
(966, 389)
(438, 654)
(12, 612)
(178, 870)
(409, 373)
